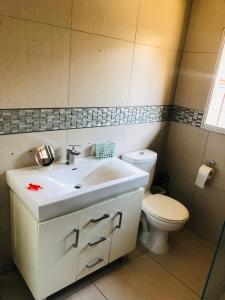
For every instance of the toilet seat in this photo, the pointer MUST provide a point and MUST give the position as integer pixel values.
(165, 208)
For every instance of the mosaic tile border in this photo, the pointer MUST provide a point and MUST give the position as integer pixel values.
(13, 121)
(186, 116)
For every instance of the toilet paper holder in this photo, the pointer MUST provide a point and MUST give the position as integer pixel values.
(205, 173)
(211, 163)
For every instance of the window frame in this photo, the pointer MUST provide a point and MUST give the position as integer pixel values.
(204, 125)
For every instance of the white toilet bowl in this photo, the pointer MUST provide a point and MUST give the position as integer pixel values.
(160, 214)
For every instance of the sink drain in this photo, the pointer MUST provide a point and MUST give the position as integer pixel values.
(78, 186)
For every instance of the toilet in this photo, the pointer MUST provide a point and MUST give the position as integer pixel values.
(160, 214)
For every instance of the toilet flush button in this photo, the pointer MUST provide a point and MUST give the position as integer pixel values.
(141, 153)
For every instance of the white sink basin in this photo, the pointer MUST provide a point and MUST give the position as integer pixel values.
(69, 188)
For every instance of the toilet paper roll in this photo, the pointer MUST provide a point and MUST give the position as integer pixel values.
(204, 173)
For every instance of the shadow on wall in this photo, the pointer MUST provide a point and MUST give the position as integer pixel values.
(187, 149)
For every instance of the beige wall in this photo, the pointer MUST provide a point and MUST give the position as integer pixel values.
(187, 147)
(58, 53)
(114, 50)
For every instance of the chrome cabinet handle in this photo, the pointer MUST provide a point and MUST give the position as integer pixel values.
(105, 216)
(77, 232)
(119, 213)
(102, 239)
(95, 263)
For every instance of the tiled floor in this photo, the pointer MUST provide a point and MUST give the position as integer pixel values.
(178, 275)
(222, 297)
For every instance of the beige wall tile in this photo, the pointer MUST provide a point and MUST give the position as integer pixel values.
(4, 190)
(17, 151)
(186, 254)
(153, 76)
(5, 259)
(185, 148)
(34, 64)
(86, 137)
(4, 218)
(145, 279)
(162, 23)
(141, 136)
(204, 33)
(215, 151)
(100, 70)
(56, 12)
(113, 18)
(205, 27)
(207, 213)
(194, 81)
(181, 187)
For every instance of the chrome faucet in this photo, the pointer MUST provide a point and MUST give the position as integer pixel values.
(71, 153)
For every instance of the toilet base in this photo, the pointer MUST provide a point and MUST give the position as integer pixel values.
(155, 240)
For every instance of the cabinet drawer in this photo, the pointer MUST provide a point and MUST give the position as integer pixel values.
(97, 221)
(95, 242)
(92, 258)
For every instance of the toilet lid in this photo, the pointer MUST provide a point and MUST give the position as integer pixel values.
(166, 208)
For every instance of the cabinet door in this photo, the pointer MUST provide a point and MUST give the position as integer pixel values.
(127, 209)
(57, 266)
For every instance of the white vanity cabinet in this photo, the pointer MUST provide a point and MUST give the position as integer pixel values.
(55, 253)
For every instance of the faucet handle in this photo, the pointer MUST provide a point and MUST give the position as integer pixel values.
(73, 146)
(73, 150)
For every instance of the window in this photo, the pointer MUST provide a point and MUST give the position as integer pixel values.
(214, 116)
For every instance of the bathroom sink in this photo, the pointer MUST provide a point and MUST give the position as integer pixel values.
(66, 188)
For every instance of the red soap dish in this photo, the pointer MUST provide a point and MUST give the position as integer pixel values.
(34, 187)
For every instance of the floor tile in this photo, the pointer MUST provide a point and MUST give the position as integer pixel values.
(189, 260)
(90, 292)
(142, 278)
(222, 297)
(140, 249)
(12, 287)
(139, 275)
(70, 290)
(101, 272)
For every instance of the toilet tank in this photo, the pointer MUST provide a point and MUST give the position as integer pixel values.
(143, 159)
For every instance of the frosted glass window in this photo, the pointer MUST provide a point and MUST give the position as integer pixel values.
(214, 116)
